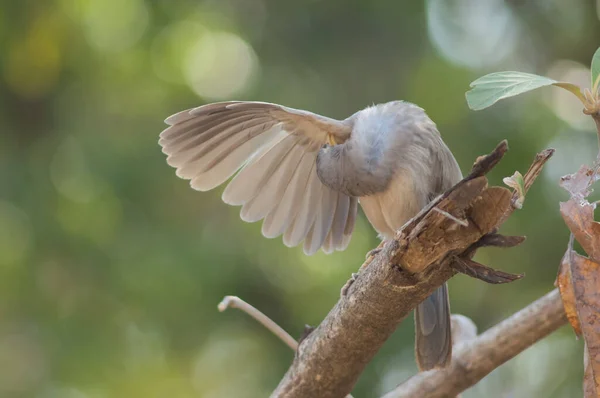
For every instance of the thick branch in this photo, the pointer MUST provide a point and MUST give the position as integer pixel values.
(474, 360)
(391, 284)
(330, 359)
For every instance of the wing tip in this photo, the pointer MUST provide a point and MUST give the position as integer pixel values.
(179, 117)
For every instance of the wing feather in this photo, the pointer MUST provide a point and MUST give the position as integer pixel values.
(215, 140)
(280, 219)
(256, 173)
(322, 224)
(350, 222)
(273, 149)
(306, 216)
(328, 246)
(339, 220)
(268, 194)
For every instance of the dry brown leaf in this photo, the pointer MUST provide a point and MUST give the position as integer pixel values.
(579, 277)
(579, 217)
(578, 184)
(589, 385)
(565, 286)
(585, 274)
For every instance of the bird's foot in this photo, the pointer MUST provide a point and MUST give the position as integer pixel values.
(344, 290)
(305, 333)
(373, 253)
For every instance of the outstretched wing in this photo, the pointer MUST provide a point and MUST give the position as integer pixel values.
(276, 149)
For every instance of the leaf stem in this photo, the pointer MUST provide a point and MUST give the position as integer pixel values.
(596, 117)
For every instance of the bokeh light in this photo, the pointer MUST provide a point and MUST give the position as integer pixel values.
(170, 49)
(32, 62)
(114, 25)
(15, 235)
(220, 65)
(472, 33)
(23, 364)
(563, 103)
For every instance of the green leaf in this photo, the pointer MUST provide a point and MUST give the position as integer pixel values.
(489, 89)
(517, 183)
(596, 70)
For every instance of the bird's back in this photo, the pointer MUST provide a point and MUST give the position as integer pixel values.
(395, 161)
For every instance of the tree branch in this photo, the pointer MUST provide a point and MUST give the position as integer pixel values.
(477, 358)
(392, 283)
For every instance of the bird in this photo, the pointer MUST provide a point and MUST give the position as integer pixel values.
(305, 174)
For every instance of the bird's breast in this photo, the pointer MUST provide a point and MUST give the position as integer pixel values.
(389, 210)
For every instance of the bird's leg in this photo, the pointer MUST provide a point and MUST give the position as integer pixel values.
(368, 258)
(305, 333)
(372, 253)
(349, 282)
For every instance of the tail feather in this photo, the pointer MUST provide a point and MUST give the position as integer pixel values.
(433, 346)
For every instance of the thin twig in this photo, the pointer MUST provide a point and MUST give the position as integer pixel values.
(236, 302)
(473, 361)
(536, 168)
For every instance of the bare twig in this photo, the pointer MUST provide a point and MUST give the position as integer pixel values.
(536, 167)
(236, 302)
(483, 273)
(472, 361)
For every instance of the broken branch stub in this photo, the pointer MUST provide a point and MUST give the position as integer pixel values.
(430, 236)
(497, 240)
(483, 273)
(393, 282)
(435, 235)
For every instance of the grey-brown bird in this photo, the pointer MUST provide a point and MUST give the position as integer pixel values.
(304, 174)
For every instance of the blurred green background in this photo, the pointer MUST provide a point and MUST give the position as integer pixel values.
(111, 267)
